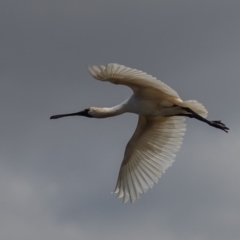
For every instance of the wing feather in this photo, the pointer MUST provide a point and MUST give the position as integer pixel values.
(138, 186)
(140, 177)
(150, 151)
(139, 81)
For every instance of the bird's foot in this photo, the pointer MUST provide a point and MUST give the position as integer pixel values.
(220, 125)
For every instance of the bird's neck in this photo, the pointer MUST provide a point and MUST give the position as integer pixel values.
(109, 112)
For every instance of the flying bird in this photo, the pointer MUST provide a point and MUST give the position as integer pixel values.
(160, 129)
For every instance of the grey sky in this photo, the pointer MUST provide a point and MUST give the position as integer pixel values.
(56, 177)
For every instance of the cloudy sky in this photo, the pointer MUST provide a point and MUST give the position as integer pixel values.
(56, 177)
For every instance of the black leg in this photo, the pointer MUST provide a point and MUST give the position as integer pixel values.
(216, 124)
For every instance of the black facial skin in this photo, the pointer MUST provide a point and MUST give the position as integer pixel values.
(84, 113)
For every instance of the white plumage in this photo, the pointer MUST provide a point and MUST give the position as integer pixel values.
(160, 128)
(148, 154)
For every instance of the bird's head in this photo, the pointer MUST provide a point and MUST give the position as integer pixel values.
(86, 113)
(92, 112)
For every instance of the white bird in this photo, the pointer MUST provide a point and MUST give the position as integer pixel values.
(160, 128)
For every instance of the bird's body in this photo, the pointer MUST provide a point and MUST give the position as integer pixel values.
(160, 129)
(139, 106)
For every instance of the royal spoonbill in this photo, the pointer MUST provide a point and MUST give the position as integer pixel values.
(160, 128)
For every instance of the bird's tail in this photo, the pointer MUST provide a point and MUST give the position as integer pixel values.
(196, 107)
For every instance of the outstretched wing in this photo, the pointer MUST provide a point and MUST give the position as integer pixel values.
(138, 81)
(150, 151)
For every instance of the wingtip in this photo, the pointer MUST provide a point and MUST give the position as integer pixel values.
(90, 69)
